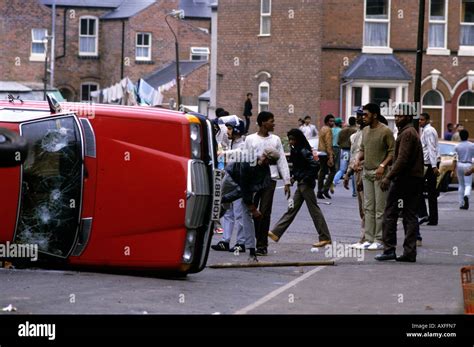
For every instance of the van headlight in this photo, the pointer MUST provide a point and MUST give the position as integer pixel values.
(189, 246)
(195, 134)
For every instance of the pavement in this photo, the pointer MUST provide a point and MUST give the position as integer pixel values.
(357, 284)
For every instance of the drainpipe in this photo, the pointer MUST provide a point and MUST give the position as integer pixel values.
(122, 65)
(343, 84)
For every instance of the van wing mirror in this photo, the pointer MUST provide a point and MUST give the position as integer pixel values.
(13, 148)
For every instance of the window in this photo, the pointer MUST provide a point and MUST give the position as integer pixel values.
(265, 17)
(200, 53)
(39, 44)
(467, 23)
(437, 34)
(88, 38)
(466, 111)
(356, 99)
(143, 46)
(433, 105)
(86, 89)
(377, 26)
(263, 96)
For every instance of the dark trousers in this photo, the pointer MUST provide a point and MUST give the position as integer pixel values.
(323, 171)
(403, 195)
(304, 193)
(430, 179)
(263, 200)
(247, 124)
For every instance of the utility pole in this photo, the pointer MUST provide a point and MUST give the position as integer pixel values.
(419, 61)
(53, 44)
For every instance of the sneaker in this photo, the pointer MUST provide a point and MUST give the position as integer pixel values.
(365, 245)
(357, 245)
(423, 220)
(221, 246)
(219, 230)
(262, 251)
(465, 206)
(238, 248)
(376, 246)
(322, 243)
(273, 236)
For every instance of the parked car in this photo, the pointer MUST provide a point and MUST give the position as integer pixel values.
(123, 187)
(446, 167)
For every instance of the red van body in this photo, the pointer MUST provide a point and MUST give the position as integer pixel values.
(110, 186)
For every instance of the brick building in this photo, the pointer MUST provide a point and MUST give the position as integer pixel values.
(98, 43)
(318, 57)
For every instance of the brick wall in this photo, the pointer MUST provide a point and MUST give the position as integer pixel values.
(291, 55)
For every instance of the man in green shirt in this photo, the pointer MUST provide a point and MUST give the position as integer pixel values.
(376, 153)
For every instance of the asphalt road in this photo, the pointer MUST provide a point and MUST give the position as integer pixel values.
(356, 285)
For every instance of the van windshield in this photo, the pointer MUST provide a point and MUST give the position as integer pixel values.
(51, 187)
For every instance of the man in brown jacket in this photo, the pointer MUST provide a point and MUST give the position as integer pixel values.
(405, 184)
(326, 157)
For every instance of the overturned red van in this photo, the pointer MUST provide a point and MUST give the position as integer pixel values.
(112, 186)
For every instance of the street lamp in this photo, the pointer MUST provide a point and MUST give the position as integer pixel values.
(179, 14)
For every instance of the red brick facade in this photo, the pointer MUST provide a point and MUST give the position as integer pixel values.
(108, 67)
(308, 55)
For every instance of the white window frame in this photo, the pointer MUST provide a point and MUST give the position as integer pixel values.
(439, 50)
(464, 50)
(435, 107)
(377, 49)
(201, 52)
(96, 52)
(462, 107)
(147, 58)
(265, 15)
(36, 56)
(88, 83)
(260, 103)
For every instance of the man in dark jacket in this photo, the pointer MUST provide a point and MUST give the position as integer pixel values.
(248, 179)
(405, 181)
(248, 111)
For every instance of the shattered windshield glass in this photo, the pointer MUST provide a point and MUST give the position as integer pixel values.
(51, 186)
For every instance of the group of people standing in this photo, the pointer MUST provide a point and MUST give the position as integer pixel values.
(387, 175)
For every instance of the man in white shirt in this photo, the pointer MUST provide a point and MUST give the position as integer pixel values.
(263, 199)
(429, 141)
(309, 130)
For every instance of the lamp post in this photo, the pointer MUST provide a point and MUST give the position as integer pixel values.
(176, 14)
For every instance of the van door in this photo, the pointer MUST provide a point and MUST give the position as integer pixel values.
(51, 185)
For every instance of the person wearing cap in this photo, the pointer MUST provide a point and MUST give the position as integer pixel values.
(233, 214)
(376, 153)
(251, 178)
(404, 183)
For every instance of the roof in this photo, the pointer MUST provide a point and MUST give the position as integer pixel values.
(377, 67)
(83, 3)
(205, 96)
(196, 8)
(10, 86)
(168, 72)
(128, 8)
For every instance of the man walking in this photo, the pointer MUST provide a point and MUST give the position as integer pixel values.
(263, 199)
(326, 157)
(248, 111)
(429, 141)
(405, 182)
(376, 151)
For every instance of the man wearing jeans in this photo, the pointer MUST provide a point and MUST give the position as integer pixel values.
(376, 152)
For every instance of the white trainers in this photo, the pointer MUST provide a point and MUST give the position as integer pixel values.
(376, 246)
(357, 245)
(365, 245)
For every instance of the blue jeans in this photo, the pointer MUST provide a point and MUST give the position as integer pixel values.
(343, 164)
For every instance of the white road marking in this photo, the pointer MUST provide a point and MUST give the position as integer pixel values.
(280, 290)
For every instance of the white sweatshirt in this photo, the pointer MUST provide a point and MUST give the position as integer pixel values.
(256, 143)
